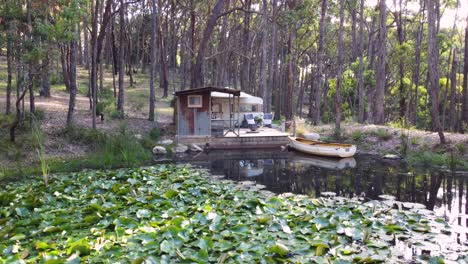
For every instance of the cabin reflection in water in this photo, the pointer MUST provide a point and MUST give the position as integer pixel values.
(444, 192)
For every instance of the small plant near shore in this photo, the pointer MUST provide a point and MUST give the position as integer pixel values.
(357, 136)
(461, 147)
(382, 134)
(38, 139)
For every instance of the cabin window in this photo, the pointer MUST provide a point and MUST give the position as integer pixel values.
(195, 101)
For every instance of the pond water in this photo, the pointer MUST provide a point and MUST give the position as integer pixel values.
(440, 190)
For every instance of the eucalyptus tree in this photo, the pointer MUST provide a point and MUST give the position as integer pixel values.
(381, 65)
(433, 68)
(320, 61)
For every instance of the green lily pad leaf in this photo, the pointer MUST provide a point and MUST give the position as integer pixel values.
(22, 212)
(170, 194)
(143, 213)
(42, 245)
(240, 229)
(18, 237)
(167, 246)
(80, 246)
(279, 249)
(51, 229)
(321, 222)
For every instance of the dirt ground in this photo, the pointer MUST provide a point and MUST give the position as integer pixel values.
(373, 144)
(55, 109)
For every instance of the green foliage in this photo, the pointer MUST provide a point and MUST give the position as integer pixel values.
(174, 214)
(382, 133)
(123, 148)
(155, 133)
(357, 135)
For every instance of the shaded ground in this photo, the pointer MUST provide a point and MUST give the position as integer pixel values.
(55, 111)
(374, 139)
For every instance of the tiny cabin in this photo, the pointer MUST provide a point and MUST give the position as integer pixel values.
(195, 115)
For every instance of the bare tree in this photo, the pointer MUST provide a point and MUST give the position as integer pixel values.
(320, 57)
(379, 116)
(152, 98)
(339, 77)
(433, 69)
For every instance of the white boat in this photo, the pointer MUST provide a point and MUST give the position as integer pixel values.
(320, 148)
(324, 162)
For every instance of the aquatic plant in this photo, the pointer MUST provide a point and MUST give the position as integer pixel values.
(170, 214)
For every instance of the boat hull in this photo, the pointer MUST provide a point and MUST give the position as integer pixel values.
(323, 149)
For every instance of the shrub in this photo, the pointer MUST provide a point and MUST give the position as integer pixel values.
(382, 133)
(155, 133)
(357, 136)
(123, 148)
(461, 148)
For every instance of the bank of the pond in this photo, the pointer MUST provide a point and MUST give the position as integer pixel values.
(176, 214)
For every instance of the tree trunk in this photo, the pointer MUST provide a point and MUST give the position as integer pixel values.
(379, 116)
(401, 64)
(9, 67)
(362, 99)
(339, 77)
(86, 40)
(197, 78)
(163, 83)
(273, 64)
(320, 55)
(263, 66)
(120, 97)
(153, 60)
(370, 89)
(45, 85)
(31, 68)
(465, 83)
(73, 87)
(453, 89)
(433, 70)
(244, 80)
(416, 74)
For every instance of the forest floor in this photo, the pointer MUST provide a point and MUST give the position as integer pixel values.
(375, 139)
(53, 112)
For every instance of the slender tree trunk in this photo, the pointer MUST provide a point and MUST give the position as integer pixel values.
(320, 55)
(273, 63)
(45, 84)
(433, 70)
(362, 99)
(86, 39)
(120, 98)
(416, 75)
(465, 83)
(94, 57)
(73, 87)
(263, 66)
(9, 67)
(244, 80)
(381, 66)
(163, 83)
(453, 89)
(401, 64)
(370, 89)
(154, 25)
(31, 66)
(339, 77)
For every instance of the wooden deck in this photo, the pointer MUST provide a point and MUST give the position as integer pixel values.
(263, 138)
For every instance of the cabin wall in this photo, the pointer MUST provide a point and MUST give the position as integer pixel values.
(194, 121)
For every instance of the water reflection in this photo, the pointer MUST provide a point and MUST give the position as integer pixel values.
(444, 192)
